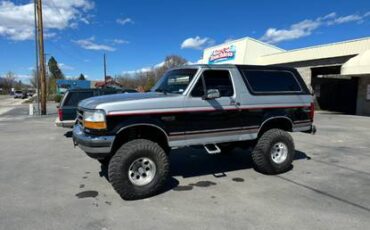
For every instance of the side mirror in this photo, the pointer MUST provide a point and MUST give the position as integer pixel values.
(212, 94)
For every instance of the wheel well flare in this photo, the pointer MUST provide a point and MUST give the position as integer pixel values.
(142, 131)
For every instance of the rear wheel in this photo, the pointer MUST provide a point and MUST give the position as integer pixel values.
(274, 152)
(139, 169)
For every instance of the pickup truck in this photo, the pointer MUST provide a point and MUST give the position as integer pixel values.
(219, 107)
(68, 105)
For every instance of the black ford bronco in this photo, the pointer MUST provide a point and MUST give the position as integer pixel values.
(219, 107)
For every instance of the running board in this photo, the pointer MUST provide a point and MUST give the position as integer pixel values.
(212, 149)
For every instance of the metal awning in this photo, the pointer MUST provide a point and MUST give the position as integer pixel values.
(358, 65)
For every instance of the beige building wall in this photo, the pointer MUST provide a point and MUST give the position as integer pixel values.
(305, 72)
(338, 49)
(247, 51)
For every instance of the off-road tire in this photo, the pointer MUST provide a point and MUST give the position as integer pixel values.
(261, 153)
(123, 158)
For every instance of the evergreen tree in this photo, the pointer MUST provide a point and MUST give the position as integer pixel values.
(81, 77)
(54, 69)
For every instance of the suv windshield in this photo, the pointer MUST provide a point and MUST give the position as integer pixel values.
(175, 81)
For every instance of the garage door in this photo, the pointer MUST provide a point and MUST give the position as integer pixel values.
(336, 94)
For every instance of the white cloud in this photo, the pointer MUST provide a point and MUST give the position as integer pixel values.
(65, 67)
(298, 30)
(124, 21)
(17, 21)
(160, 64)
(196, 43)
(306, 27)
(120, 41)
(25, 78)
(345, 19)
(144, 69)
(229, 40)
(141, 70)
(90, 44)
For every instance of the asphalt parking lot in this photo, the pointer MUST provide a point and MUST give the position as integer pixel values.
(46, 183)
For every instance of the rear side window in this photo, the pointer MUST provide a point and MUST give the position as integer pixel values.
(271, 81)
(214, 79)
(73, 98)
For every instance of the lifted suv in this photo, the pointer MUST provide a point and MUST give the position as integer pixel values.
(219, 107)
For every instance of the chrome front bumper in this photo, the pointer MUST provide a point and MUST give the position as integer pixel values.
(95, 146)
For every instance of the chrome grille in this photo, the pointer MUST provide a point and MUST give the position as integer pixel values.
(80, 116)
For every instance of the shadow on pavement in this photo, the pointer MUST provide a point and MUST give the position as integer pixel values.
(191, 162)
(68, 134)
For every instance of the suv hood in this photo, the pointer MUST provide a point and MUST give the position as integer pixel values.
(93, 102)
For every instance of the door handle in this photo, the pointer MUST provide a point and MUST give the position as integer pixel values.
(237, 104)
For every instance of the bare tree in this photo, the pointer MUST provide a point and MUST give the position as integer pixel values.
(170, 61)
(8, 81)
(147, 79)
(34, 79)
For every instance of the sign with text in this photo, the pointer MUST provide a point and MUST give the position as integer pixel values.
(221, 55)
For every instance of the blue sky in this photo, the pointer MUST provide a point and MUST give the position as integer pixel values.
(137, 34)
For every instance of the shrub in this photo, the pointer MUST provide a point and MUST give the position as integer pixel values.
(57, 98)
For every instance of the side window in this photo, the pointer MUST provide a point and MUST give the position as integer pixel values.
(198, 90)
(214, 79)
(75, 97)
(271, 81)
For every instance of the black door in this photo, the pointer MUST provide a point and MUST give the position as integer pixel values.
(212, 115)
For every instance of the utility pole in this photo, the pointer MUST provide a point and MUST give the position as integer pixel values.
(37, 59)
(105, 69)
(40, 32)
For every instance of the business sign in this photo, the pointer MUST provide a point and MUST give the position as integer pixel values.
(221, 55)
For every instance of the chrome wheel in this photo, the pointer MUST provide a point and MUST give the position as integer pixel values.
(142, 171)
(279, 152)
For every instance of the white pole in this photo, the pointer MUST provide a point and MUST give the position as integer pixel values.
(31, 110)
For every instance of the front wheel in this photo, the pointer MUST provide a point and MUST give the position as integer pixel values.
(274, 152)
(139, 169)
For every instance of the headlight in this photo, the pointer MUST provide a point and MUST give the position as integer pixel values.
(94, 120)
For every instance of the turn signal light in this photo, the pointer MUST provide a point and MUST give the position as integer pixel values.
(95, 125)
(94, 119)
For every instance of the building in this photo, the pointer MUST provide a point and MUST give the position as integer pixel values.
(108, 83)
(338, 73)
(63, 85)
